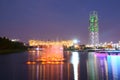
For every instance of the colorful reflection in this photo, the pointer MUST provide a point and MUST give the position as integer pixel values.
(78, 66)
(113, 67)
(103, 66)
(40, 71)
(48, 70)
(45, 72)
(91, 67)
(51, 53)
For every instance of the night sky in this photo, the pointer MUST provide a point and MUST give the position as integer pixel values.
(58, 19)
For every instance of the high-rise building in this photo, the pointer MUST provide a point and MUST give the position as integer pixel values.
(93, 29)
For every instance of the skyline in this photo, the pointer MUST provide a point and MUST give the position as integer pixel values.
(65, 19)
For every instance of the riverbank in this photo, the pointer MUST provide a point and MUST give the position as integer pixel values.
(9, 51)
(11, 46)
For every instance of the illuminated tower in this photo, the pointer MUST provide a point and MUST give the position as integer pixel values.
(93, 29)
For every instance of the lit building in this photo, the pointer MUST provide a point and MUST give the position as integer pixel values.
(93, 29)
(45, 43)
(15, 40)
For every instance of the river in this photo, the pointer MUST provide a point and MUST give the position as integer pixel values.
(78, 66)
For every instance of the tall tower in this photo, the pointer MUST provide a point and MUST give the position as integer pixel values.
(93, 29)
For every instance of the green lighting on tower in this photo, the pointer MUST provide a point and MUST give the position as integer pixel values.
(93, 22)
(93, 28)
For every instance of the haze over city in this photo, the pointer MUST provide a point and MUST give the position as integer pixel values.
(64, 19)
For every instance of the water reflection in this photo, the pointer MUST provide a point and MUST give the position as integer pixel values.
(48, 70)
(91, 67)
(113, 67)
(45, 72)
(75, 62)
(51, 53)
(103, 67)
(78, 66)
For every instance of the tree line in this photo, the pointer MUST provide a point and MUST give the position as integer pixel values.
(6, 44)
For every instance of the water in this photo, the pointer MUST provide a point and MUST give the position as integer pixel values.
(78, 66)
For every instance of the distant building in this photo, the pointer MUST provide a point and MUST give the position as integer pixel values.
(44, 43)
(15, 40)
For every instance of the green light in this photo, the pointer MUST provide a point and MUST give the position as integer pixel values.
(92, 29)
(92, 19)
(93, 23)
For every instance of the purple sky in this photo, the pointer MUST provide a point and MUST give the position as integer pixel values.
(63, 19)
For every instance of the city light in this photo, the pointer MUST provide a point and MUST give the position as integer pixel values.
(15, 40)
(45, 43)
(52, 51)
(75, 41)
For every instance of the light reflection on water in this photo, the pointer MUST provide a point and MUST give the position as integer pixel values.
(52, 71)
(75, 62)
(96, 67)
(113, 67)
(80, 66)
(45, 72)
(103, 67)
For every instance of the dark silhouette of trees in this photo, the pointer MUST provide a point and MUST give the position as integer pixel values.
(6, 44)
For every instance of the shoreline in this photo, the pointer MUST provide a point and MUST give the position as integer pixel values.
(10, 51)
